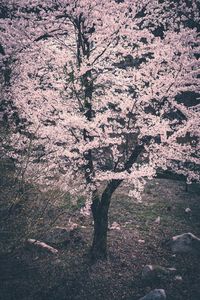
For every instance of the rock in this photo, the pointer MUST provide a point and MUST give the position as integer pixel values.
(185, 243)
(141, 241)
(42, 245)
(59, 235)
(178, 278)
(157, 220)
(115, 226)
(154, 272)
(188, 210)
(157, 294)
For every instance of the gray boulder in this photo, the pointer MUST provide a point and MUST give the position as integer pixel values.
(155, 272)
(185, 243)
(157, 294)
(59, 235)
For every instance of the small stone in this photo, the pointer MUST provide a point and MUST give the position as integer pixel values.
(187, 210)
(178, 278)
(157, 294)
(146, 271)
(141, 241)
(172, 269)
(157, 220)
(115, 226)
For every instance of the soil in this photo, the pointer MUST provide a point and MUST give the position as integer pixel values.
(28, 273)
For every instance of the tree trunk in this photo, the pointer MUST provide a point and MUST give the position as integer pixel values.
(100, 207)
(99, 244)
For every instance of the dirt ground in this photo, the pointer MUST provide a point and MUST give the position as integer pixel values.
(27, 273)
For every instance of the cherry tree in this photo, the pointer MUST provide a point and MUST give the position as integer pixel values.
(100, 85)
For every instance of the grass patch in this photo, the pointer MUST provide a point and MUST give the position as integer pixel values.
(31, 274)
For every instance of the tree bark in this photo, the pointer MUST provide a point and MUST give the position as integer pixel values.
(100, 216)
(100, 208)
